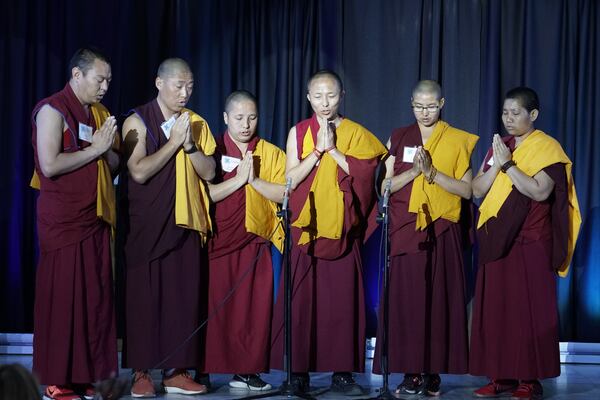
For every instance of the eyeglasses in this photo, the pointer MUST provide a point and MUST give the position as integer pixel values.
(431, 108)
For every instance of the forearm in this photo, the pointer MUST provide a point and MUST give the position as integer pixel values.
(224, 189)
(203, 164)
(340, 159)
(482, 183)
(68, 162)
(301, 171)
(400, 180)
(454, 186)
(113, 160)
(528, 185)
(149, 166)
(271, 191)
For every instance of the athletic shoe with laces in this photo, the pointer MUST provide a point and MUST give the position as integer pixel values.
(432, 385)
(529, 390)
(142, 385)
(181, 382)
(344, 383)
(250, 382)
(497, 388)
(55, 392)
(411, 384)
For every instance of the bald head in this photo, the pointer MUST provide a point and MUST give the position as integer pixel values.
(428, 87)
(325, 73)
(171, 67)
(239, 96)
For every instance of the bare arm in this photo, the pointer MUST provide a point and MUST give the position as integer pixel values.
(142, 167)
(50, 128)
(295, 169)
(220, 191)
(484, 180)
(203, 165)
(113, 159)
(402, 179)
(270, 190)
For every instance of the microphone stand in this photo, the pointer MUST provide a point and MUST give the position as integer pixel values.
(383, 218)
(286, 388)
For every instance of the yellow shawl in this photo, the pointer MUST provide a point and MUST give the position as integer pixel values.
(327, 212)
(191, 197)
(535, 153)
(261, 213)
(450, 150)
(105, 197)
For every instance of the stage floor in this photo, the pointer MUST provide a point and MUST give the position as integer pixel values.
(577, 381)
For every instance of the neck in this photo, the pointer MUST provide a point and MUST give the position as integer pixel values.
(166, 112)
(75, 91)
(426, 131)
(519, 139)
(242, 146)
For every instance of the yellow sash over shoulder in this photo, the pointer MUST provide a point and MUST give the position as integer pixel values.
(535, 153)
(191, 197)
(450, 150)
(325, 215)
(105, 197)
(261, 213)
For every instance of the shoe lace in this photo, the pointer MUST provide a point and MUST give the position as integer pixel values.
(139, 375)
(526, 387)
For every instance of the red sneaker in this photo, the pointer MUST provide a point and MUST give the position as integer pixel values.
(181, 382)
(497, 388)
(142, 385)
(529, 390)
(55, 392)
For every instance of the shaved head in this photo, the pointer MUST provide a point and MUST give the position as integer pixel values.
(325, 73)
(428, 87)
(239, 95)
(171, 67)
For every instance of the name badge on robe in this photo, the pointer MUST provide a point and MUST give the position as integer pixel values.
(409, 154)
(491, 161)
(167, 125)
(229, 163)
(85, 132)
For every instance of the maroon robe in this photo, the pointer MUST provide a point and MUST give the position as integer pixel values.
(328, 309)
(514, 332)
(427, 311)
(239, 327)
(74, 322)
(164, 263)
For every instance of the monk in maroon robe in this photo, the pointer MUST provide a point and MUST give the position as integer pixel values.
(245, 192)
(428, 173)
(164, 261)
(331, 162)
(74, 323)
(527, 231)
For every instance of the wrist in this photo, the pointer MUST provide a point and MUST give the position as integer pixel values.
(190, 149)
(318, 153)
(507, 165)
(330, 149)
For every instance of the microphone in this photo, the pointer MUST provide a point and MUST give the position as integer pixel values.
(386, 193)
(286, 194)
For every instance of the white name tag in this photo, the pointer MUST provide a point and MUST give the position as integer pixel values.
(491, 161)
(229, 163)
(85, 132)
(167, 125)
(409, 154)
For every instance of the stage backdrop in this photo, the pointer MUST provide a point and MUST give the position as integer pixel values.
(476, 49)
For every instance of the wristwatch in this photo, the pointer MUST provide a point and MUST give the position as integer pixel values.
(192, 150)
(505, 167)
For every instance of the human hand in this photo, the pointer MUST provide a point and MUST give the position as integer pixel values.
(179, 131)
(104, 137)
(502, 153)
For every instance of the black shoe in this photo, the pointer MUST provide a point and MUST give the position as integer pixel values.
(203, 379)
(343, 382)
(300, 382)
(432, 384)
(412, 384)
(250, 382)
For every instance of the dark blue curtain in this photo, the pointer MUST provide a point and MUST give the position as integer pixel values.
(477, 49)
